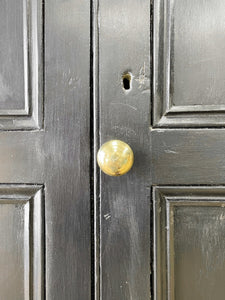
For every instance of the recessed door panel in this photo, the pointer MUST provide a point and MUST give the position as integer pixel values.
(14, 54)
(197, 54)
(189, 63)
(189, 226)
(21, 60)
(22, 242)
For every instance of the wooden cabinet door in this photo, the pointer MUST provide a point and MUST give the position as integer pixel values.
(44, 150)
(162, 225)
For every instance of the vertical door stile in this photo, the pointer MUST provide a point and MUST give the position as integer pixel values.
(124, 114)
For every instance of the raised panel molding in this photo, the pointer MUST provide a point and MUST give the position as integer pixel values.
(21, 59)
(189, 241)
(22, 242)
(188, 64)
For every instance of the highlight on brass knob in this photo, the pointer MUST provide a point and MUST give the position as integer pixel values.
(115, 158)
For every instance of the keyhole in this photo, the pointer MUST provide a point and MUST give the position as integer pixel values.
(126, 81)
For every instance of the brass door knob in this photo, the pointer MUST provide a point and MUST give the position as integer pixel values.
(115, 158)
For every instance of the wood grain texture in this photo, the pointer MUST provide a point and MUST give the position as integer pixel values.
(187, 154)
(188, 81)
(189, 242)
(124, 46)
(22, 242)
(193, 156)
(67, 149)
(58, 156)
(14, 55)
(21, 59)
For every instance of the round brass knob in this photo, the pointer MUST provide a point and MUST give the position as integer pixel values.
(115, 158)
